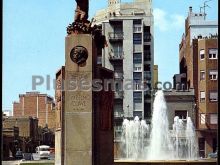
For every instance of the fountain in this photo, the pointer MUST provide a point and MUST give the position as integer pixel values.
(133, 138)
(141, 141)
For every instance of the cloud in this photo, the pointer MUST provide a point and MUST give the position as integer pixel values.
(164, 22)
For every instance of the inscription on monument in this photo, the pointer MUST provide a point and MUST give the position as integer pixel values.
(79, 91)
(79, 101)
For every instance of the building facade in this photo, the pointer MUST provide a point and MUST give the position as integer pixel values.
(128, 28)
(27, 137)
(180, 103)
(207, 97)
(36, 105)
(198, 54)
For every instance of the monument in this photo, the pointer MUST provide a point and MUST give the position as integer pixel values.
(87, 115)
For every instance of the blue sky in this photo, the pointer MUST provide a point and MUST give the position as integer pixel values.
(34, 32)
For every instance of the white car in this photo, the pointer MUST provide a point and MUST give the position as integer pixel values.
(43, 151)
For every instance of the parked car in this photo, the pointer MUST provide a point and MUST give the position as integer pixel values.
(19, 155)
(213, 155)
(43, 151)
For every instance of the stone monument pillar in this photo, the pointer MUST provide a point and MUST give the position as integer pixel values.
(78, 99)
(87, 116)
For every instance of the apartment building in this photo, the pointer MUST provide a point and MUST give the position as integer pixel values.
(128, 28)
(198, 54)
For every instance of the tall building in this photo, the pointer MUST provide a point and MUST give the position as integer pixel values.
(198, 54)
(128, 28)
(207, 97)
(36, 105)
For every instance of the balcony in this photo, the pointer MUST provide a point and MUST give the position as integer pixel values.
(137, 67)
(137, 86)
(119, 94)
(137, 29)
(116, 55)
(115, 36)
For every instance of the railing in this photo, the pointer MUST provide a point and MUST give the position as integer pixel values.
(137, 28)
(116, 55)
(116, 35)
(137, 86)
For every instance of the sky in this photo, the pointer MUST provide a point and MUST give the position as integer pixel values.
(34, 32)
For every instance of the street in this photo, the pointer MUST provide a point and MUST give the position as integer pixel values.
(13, 162)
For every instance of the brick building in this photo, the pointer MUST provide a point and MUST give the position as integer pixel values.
(207, 96)
(198, 54)
(36, 105)
(26, 135)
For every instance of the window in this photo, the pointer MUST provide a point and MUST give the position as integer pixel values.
(181, 113)
(202, 54)
(213, 96)
(202, 96)
(147, 34)
(137, 104)
(213, 118)
(213, 53)
(202, 118)
(147, 67)
(137, 76)
(213, 74)
(137, 21)
(137, 95)
(137, 38)
(202, 75)
(137, 58)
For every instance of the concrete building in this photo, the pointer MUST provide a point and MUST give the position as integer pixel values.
(198, 54)
(180, 103)
(36, 105)
(128, 28)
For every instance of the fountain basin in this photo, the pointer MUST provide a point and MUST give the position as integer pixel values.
(166, 162)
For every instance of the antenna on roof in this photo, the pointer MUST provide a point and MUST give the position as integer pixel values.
(204, 7)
